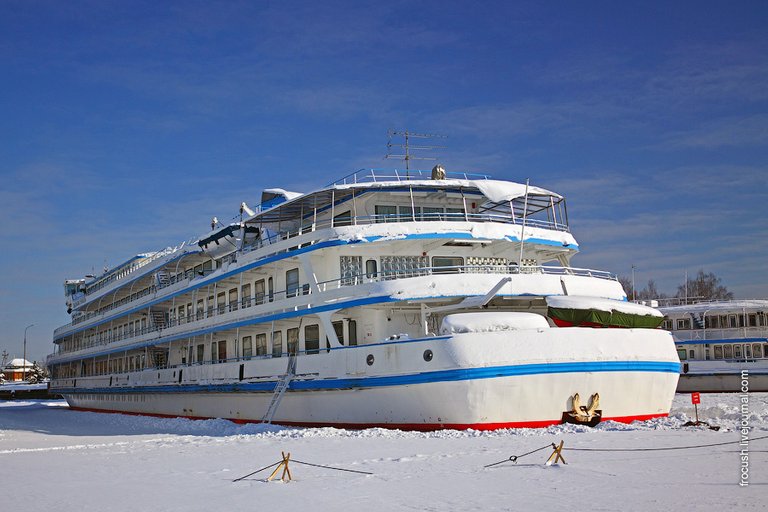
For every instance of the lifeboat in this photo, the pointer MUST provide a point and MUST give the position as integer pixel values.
(582, 311)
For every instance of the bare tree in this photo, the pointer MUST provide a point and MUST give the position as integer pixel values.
(650, 292)
(626, 283)
(704, 286)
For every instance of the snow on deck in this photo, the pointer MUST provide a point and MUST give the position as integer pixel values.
(491, 322)
(79, 461)
(599, 304)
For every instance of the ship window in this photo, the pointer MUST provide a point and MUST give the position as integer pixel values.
(247, 347)
(432, 213)
(292, 283)
(271, 289)
(718, 351)
(748, 351)
(683, 323)
(732, 321)
(245, 293)
(200, 309)
(446, 264)
(757, 350)
(233, 299)
(454, 214)
(385, 213)
(221, 302)
(312, 339)
(261, 344)
(370, 269)
(737, 351)
(292, 336)
(338, 328)
(219, 351)
(681, 354)
(200, 353)
(728, 352)
(277, 343)
(352, 328)
(258, 287)
(752, 320)
(408, 213)
(343, 219)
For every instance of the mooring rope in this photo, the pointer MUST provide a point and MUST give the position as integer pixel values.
(513, 458)
(301, 462)
(331, 467)
(257, 471)
(659, 449)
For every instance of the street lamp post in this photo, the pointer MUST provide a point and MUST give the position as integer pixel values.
(634, 296)
(24, 359)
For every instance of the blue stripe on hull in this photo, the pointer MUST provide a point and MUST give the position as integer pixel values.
(401, 380)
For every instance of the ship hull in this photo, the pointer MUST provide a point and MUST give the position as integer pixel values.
(524, 378)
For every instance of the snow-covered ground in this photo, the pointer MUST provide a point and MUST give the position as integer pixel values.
(65, 460)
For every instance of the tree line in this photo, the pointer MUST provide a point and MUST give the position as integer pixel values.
(702, 286)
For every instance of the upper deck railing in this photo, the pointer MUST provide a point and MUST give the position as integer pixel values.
(381, 175)
(731, 333)
(114, 275)
(277, 297)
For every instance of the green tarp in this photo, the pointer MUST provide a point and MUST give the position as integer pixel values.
(604, 318)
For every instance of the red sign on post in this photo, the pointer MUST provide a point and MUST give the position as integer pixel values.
(695, 398)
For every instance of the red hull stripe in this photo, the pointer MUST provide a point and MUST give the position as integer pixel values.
(424, 427)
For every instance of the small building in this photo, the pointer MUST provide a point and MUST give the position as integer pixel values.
(14, 371)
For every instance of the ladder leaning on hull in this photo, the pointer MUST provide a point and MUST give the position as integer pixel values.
(280, 388)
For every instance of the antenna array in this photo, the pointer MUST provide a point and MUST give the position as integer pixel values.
(407, 147)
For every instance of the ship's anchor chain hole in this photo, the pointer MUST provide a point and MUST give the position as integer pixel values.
(369, 359)
(428, 355)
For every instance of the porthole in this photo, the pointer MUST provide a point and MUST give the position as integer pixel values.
(369, 359)
(428, 355)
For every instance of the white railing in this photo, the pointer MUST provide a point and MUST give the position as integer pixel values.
(721, 334)
(379, 175)
(278, 296)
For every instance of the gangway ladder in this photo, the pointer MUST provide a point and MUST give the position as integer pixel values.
(280, 388)
(162, 279)
(158, 318)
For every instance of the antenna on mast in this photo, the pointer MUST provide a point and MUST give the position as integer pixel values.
(407, 146)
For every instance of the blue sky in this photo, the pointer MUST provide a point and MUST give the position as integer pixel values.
(126, 126)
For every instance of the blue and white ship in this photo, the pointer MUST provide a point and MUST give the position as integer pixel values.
(722, 344)
(411, 299)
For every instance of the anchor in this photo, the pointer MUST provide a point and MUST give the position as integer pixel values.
(582, 414)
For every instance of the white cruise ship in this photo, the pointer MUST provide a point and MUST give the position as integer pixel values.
(723, 345)
(414, 300)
